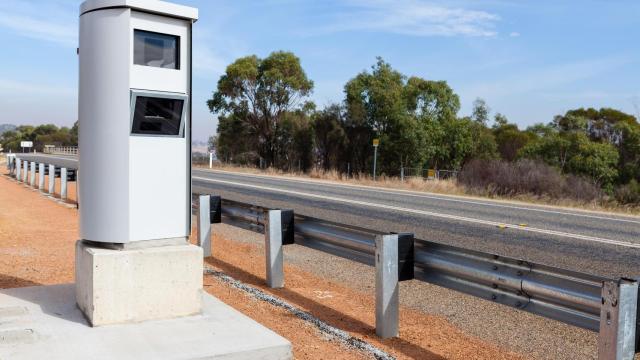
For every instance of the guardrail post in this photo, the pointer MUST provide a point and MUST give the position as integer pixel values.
(63, 183)
(52, 178)
(637, 349)
(203, 224)
(209, 212)
(41, 176)
(387, 289)
(18, 168)
(25, 169)
(273, 248)
(617, 336)
(32, 179)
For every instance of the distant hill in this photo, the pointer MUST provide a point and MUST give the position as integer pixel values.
(199, 147)
(6, 127)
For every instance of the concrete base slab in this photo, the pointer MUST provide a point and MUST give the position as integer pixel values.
(43, 322)
(131, 285)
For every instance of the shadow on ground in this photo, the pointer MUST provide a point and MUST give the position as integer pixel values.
(324, 313)
(8, 282)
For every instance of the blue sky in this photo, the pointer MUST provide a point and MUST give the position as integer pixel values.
(529, 60)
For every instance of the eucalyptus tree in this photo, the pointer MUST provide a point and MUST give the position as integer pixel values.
(259, 94)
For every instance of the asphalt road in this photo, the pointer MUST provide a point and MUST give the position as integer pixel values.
(598, 243)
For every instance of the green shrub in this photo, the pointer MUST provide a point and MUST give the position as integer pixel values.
(629, 194)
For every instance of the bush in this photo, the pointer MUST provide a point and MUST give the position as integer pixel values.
(629, 194)
(524, 177)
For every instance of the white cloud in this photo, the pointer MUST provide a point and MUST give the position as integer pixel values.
(54, 21)
(414, 17)
(514, 34)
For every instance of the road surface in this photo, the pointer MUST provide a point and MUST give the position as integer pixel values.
(599, 243)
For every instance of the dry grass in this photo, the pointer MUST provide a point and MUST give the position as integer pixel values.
(445, 187)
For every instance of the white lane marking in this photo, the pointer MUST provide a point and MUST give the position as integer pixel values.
(451, 198)
(431, 213)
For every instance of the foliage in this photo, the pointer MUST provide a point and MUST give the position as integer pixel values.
(509, 139)
(597, 161)
(329, 136)
(480, 112)
(255, 96)
(6, 127)
(265, 118)
(629, 193)
(499, 177)
(40, 135)
(409, 116)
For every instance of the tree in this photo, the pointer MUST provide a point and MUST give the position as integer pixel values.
(510, 140)
(47, 134)
(480, 112)
(259, 93)
(499, 120)
(597, 161)
(540, 130)
(375, 107)
(629, 150)
(296, 139)
(599, 125)
(484, 143)
(432, 104)
(434, 100)
(553, 149)
(329, 135)
(234, 141)
(458, 143)
(407, 115)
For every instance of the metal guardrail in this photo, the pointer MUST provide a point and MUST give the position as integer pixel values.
(31, 170)
(605, 305)
(68, 162)
(566, 296)
(61, 150)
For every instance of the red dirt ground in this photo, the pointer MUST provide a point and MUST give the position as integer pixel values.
(37, 237)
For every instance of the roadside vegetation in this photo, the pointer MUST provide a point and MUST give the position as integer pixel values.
(585, 156)
(41, 135)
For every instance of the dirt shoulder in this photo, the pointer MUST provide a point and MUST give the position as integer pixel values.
(421, 336)
(37, 237)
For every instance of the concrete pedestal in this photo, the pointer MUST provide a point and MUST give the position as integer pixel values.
(139, 284)
(43, 322)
